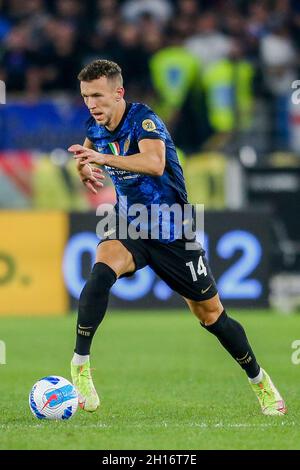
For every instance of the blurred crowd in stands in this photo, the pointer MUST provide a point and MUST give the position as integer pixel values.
(208, 62)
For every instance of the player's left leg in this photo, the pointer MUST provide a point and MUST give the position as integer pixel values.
(232, 336)
(112, 260)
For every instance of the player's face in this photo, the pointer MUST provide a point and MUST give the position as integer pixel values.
(102, 97)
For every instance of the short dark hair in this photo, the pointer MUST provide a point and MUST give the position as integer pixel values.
(100, 68)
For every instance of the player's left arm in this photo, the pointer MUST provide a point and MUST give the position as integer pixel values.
(150, 160)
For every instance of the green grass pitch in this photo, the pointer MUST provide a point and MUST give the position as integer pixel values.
(164, 383)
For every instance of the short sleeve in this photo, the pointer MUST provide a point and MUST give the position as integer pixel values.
(149, 126)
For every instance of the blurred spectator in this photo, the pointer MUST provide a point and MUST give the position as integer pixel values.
(17, 58)
(176, 79)
(187, 8)
(151, 42)
(228, 84)
(36, 17)
(103, 40)
(175, 74)
(19, 11)
(234, 26)
(152, 36)
(107, 7)
(130, 55)
(161, 10)
(279, 61)
(278, 56)
(257, 19)
(182, 22)
(208, 44)
(62, 58)
(73, 12)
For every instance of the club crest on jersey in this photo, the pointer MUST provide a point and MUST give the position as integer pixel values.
(115, 148)
(126, 145)
(148, 125)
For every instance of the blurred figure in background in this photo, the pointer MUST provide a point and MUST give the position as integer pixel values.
(228, 84)
(61, 57)
(18, 60)
(279, 66)
(161, 10)
(129, 53)
(208, 44)
(175, 76)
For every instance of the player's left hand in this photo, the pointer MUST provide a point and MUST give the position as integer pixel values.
(85, 155)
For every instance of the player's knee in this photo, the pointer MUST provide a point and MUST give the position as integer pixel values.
(208, 311)
(209, 317)
(116, 256)
(97, 287)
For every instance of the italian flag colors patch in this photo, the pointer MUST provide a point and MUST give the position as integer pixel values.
(115, 148)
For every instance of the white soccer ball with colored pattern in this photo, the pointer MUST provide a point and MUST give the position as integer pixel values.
(53, 397)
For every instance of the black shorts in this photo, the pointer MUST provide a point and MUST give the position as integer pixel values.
(185, 271)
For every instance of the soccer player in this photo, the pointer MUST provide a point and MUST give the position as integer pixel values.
(132, 143)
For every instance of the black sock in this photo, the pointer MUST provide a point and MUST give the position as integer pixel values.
(232, 336)
(92, 305)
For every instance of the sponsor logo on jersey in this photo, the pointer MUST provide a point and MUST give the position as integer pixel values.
(126, 145)
(148, 125)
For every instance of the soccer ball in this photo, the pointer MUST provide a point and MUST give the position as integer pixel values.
(53, 397)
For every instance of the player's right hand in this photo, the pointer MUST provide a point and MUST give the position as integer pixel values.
(90, 177)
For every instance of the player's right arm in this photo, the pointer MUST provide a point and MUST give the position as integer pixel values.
(89, 175)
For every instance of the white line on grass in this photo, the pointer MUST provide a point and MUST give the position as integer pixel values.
(242, 425)
(157, 425)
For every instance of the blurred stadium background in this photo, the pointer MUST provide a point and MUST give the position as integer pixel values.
(220, 73)
(223, 75)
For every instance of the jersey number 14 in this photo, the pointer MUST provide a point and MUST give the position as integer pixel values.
(201, 268)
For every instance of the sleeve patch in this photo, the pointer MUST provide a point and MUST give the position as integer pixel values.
(148, 125)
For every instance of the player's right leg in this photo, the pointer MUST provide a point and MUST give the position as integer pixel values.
(112, 260)
(188, 273)
(232, 336)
